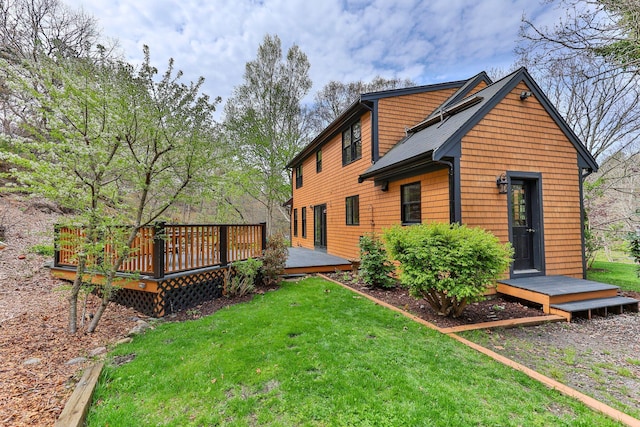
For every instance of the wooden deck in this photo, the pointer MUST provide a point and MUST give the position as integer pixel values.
(172, 267)
(308, 261)
(568, 296)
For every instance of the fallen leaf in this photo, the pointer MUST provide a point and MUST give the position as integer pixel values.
(213, 381)
(258, 371)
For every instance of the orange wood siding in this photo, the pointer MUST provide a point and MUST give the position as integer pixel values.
(398, 113)
(377, 209)
(520, 136)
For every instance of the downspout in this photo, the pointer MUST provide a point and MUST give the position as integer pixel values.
(583, 218)
(452, 198)
(374, 129)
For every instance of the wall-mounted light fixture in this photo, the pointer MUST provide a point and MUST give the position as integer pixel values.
(524, 95)
(385, 186)
(142, 285)
(502, 183)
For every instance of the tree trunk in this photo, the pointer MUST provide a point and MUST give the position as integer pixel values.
(106, 296)
(73, 295)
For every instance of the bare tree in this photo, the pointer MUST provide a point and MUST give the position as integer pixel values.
(335, 97)
(588, 66)
(606, 28)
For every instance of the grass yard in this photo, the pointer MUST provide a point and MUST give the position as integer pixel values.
(315, 354)
(615, 273)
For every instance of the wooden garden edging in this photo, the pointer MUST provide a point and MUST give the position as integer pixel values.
(551, 383)
(75, 411)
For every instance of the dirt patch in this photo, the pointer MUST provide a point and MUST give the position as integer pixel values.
(39, 361)
(495, 307)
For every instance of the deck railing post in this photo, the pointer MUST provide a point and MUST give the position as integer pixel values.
(56, 245)
(224, 230)
(159, 237)
(263, 226)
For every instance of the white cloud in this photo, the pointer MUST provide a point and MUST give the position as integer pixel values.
(427, 41)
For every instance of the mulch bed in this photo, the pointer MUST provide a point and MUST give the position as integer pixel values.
(495, 307)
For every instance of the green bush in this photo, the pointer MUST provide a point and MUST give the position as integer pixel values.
(448, 265)
(45, 250)
(241, 277)
(274, 259)
(375, 268)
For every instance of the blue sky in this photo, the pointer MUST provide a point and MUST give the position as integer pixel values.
(427, 41)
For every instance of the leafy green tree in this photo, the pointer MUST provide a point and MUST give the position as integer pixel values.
(116, 145)
(449, 265)
(264, 122)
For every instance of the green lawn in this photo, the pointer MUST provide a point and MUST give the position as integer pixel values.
(315, 354)
(615, 273)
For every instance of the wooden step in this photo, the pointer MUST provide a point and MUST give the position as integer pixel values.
(601, 305)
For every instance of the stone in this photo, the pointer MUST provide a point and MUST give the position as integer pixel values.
(124, 341)
(140, 328)
(32, 361)
(76, 361)
(97, 351)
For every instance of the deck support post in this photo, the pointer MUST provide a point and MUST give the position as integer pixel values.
(159, 237)
(224, 230)
(263, 229)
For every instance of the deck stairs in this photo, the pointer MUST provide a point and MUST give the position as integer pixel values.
(568, 296)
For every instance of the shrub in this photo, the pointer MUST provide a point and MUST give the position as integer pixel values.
(274, 259)
(448, 265)
(45, 250)
(241, 277)
(375, 267)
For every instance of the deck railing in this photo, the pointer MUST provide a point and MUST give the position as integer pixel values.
(171, 248)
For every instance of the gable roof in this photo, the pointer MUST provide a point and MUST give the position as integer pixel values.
(365, 103)
(439, 135)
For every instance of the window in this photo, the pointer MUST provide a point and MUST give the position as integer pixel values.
(295, 222)
(319, 161)
(304, 222)
(410, 200)
(298, 176)
(353, 210)
(351, 144)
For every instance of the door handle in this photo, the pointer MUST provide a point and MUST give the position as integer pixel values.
(531, 230)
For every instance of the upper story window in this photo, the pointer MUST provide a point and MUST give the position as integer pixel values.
(298, 176)
(353, 210)
(410, 201)
(319, 161)
(351, 144)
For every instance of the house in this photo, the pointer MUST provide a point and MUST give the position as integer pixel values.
(491, 154)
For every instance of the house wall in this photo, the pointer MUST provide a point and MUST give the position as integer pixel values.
(395, 114)
(520, 136)
(378, 209)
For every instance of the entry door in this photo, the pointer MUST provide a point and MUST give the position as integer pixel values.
(320, 226)
(526, 233)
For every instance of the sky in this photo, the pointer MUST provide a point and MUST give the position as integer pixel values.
(429, 41)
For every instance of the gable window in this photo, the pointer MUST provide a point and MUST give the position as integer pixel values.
(295, 222)
(298, 176)
(351, 144)
(319, 161)
(304, 222)
(353, 210)
(410, 201)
